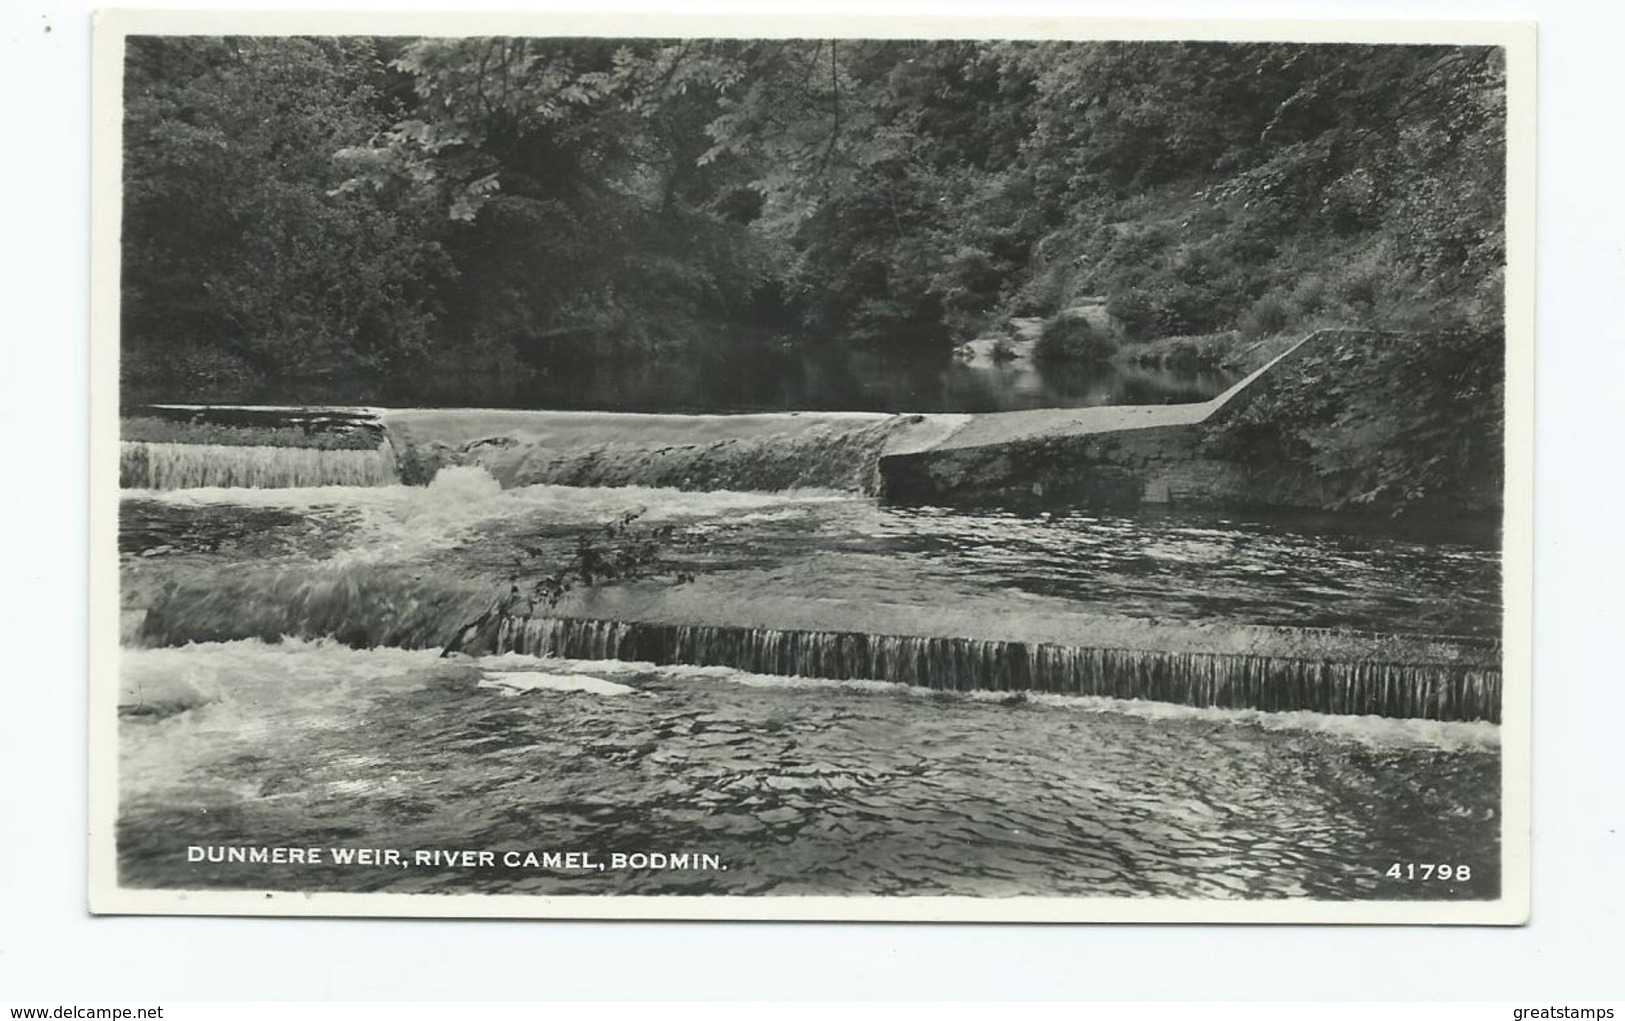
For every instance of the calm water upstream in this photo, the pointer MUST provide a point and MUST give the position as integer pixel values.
(843, 380)
(752, 379)
(798, 786)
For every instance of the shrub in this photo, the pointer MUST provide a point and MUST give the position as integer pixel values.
(1136, 310)
(963, 324)
(1143, 245)
(1190, 356)
(1187, 309)
(1268, 316)
(1041, 293)
(1146, 313)
(1311, 296)
(1072, 339)
(969, 279)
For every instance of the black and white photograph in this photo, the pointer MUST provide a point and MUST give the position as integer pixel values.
(683, 468)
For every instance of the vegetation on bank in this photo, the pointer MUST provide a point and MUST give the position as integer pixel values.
(1394, 422)
(1204, 352)
(1073, 339)
(311, 208)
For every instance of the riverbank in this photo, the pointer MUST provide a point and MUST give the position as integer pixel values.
(1229, 351)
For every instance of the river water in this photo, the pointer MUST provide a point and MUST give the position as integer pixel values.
(797, 788)
(841, 379)
(749, 378)
(797, 785)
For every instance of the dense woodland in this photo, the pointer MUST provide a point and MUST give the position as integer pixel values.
(312, 208)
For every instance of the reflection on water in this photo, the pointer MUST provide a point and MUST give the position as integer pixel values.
(834, 380)
(760, 377)
(798, 789)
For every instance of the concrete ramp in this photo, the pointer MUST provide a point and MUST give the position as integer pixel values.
(1102, 456)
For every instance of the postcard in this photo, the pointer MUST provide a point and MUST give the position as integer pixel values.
(782, 468)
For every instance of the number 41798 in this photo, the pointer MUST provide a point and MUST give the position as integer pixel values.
(1426, 871)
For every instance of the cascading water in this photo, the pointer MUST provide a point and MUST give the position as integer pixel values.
(825, 787)
(1441, 691)
(200, 465)
(281, 681)
(836, 587)
(762, 453)
(367, 606)
(771, 452)
(832, 458)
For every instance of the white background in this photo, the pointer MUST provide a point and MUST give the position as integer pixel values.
(52, 951)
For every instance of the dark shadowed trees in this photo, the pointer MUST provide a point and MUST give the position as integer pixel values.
(243, 258)
(301, 207)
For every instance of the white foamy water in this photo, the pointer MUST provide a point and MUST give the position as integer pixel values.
(168, 466)
(520, 682)
(800, 787)
(1375, 731)
(471, 491)
(398, 521)
(213, 672)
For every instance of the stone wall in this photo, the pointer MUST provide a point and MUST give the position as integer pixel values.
(1122, 470)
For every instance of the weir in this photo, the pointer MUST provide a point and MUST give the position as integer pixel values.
(948, 645)
(761, 452)
(1196, 664)
(764, 452)
(197, 465)
(1461, 691)
(1119, 455)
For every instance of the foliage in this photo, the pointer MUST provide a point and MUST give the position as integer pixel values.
(238, 257)
(618, 551)
(307, 207)
(1404, 422)
(571, 174)
(592, 189)
(1070, 338)
(1186, 353)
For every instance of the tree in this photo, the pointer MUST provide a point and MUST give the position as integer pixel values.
(241, 259)
(305, 206)
(571, 172)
